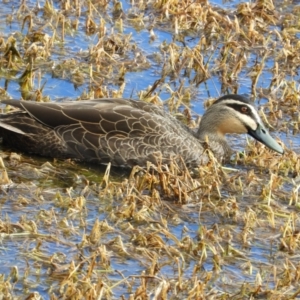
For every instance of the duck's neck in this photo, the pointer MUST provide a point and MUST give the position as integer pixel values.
(215, 141)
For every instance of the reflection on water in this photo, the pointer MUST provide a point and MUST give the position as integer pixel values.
(223, 238)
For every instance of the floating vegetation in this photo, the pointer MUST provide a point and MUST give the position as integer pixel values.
(78, 231)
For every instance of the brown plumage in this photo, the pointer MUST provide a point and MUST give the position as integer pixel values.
(126, 132)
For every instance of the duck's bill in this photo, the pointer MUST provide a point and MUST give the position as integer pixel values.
(262, 135)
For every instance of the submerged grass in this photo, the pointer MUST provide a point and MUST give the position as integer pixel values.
(164, 232)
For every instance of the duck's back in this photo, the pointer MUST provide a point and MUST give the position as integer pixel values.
(123, 132)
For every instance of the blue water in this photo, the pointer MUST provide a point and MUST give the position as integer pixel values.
(77, 44)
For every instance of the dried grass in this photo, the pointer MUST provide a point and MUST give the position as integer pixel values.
(165, 232)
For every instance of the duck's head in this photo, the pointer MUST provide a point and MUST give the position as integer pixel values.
(235, 114)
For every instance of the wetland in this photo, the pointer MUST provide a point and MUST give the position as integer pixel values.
(70, 230)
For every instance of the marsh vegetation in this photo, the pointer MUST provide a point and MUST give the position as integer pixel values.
(76, 231)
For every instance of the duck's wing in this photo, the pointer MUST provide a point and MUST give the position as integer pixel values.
(121, 131)
(96, 116)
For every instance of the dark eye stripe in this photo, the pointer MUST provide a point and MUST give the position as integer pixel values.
(238, 107)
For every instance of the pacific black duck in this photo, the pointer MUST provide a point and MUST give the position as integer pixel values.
(127, 132)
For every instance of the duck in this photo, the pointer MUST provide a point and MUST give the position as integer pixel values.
(127, 132)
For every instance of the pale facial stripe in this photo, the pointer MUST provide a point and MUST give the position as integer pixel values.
(250, 119)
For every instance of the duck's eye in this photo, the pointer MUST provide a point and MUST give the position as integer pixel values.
(244, 109)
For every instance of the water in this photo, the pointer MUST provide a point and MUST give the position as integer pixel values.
(33, 197)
